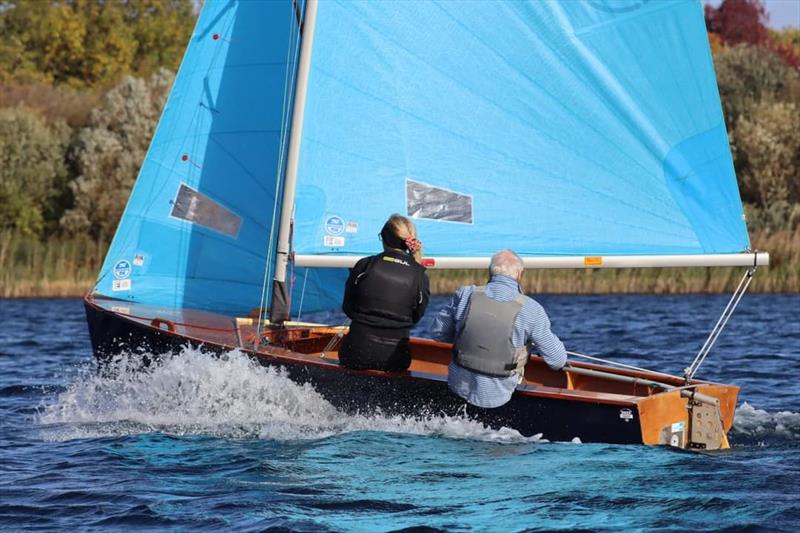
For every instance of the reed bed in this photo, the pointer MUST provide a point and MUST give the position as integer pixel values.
(62, 268)
(56, 268)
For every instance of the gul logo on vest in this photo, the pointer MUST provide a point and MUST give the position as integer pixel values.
(334, 225)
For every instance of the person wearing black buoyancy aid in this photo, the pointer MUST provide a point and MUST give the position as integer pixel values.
(493, 329)
(385, 295)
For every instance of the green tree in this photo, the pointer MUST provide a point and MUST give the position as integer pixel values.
(32, 170)
(106, 154)
(748, 75)
(767, 147)
(91, 42)
(161, 30)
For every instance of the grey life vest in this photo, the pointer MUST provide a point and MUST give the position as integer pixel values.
(484, 345)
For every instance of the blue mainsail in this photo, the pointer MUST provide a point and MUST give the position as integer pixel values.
(555, 128)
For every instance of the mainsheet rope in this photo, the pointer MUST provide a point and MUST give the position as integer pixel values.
(614, 363)
(336, 338)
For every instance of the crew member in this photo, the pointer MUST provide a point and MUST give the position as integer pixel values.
(384, 296)
(493, 329)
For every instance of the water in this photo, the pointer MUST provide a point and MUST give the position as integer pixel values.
(209, 444)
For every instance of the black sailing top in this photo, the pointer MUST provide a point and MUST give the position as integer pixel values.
(387, 292)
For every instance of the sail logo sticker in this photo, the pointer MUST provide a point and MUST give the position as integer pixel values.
(334, 225)
(121, 285)
(626, 415)
(333, 241)
(122, 269)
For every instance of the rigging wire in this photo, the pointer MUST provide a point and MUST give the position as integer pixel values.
(292, 52)
(691, 370)
(302, 295)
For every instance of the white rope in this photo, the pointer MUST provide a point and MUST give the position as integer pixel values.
(336, 338)
(691, 370)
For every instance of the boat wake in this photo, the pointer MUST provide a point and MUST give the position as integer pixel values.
(757, 427)
(192, 392)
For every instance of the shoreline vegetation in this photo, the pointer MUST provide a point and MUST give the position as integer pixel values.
(82, 85)
(68, 269)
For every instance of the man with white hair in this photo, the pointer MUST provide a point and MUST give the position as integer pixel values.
(493, 329)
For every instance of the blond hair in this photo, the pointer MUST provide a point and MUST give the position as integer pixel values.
(402, 228)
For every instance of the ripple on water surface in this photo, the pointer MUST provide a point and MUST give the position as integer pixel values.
(220, 443)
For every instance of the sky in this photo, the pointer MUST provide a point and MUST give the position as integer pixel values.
(782, 13)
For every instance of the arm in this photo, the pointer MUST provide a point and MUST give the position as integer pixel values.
(444, 325)
(547, 343)
(422, 300)
(348, 302)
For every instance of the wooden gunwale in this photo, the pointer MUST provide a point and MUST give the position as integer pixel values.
(425, 370)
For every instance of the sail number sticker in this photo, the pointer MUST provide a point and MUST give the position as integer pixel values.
(333, 241)
(122, 269)
(120, 285)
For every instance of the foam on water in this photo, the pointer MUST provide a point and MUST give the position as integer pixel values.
(756, 425)
(192, 392)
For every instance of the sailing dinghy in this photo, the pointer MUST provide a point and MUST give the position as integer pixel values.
(581, 134)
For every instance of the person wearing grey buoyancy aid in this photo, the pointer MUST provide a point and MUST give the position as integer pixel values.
(493, 329)
(384, 296)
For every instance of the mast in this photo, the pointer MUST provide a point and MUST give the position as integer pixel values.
(279, 308)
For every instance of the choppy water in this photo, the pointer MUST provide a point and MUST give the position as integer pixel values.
(208, 444)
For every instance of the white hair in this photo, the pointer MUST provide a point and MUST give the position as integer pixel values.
(506, 263)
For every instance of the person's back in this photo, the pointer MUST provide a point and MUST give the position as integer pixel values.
(492, 329)
(385, 295)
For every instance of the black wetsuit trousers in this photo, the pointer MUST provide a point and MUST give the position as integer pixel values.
(366, 348)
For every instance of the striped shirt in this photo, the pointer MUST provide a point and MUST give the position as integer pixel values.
(531, 328)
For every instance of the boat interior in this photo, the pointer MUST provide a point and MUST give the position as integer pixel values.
(318, 344)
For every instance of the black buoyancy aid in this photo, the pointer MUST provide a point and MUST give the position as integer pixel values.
(484, 345)
(387, 291)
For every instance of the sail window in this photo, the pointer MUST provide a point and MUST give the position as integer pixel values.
(435, 203)
(197, 208)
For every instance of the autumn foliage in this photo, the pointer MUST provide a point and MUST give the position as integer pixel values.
(745, 21)
(738, 21)
(82, 83)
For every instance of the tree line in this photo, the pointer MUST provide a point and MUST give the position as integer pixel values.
(82, 84)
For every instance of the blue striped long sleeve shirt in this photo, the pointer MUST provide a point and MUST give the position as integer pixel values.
(531, 328)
